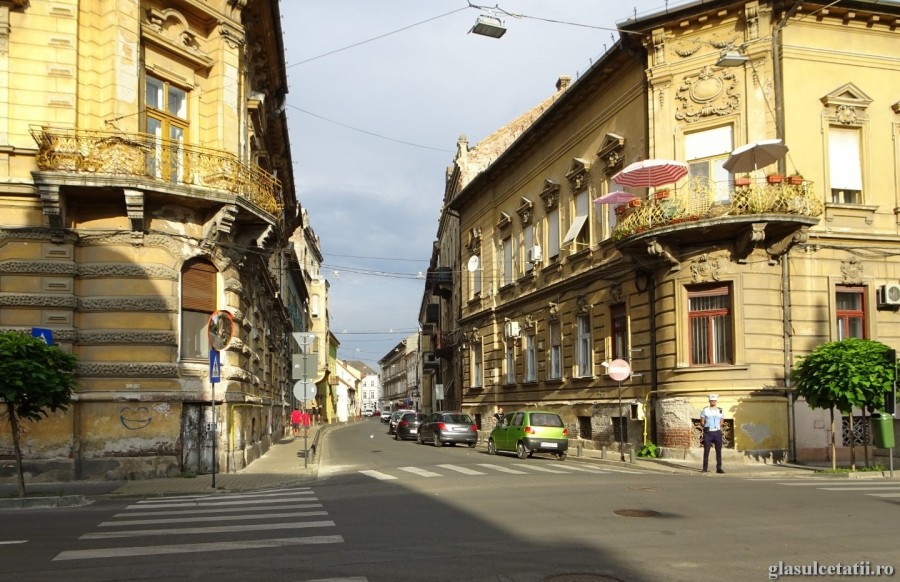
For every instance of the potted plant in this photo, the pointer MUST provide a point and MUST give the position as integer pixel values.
(742, 181)
(634, 203)
(774, 178)
(621, 210)
(662, 194)
(795, 180)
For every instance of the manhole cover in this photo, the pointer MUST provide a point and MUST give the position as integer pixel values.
(580, 578)
(636, 513)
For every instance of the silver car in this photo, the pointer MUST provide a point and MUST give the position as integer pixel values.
(448, 427)
(395, 418)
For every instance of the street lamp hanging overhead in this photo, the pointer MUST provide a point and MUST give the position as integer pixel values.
(489, 26)
(731, 59)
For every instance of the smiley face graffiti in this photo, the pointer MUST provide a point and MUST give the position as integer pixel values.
(135, 418)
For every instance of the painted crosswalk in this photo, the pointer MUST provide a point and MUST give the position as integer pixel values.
(878, 487)
(481, 469)
(294, 517)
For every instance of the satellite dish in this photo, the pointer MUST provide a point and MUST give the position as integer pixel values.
(472, 265)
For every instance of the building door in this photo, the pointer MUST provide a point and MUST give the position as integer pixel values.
(197, 452)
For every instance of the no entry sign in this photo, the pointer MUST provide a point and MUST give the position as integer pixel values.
(619, 370)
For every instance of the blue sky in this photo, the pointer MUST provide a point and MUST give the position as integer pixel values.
(374, 125)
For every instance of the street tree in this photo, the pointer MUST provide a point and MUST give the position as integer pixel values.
(35, 380)
(843, 374)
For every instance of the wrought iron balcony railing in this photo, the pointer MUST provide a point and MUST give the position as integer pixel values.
(144, 156)
(703, 199)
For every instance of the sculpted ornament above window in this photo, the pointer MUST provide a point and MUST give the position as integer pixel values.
(708, 93)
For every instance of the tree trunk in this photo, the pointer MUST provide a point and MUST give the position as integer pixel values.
(14, 428)
(866, 439)
(833, 448)
(852, 444)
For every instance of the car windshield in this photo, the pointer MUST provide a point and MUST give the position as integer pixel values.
(544, 419)
(457, 418)
(409, 416)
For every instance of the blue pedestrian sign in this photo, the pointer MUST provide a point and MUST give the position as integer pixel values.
(43, 333)
(215, 366)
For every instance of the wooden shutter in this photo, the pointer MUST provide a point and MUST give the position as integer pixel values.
(198, 287)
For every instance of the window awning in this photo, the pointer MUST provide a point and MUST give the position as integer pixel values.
(575, 229)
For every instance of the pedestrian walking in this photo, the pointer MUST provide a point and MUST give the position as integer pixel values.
(296, 417)
(498, 416)
(711, 419)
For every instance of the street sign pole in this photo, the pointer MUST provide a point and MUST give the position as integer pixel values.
(215, 431)
(620, 370)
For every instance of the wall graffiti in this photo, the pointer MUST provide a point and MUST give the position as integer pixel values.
(135, 418)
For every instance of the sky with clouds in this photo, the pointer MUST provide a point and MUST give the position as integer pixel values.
(380, 91)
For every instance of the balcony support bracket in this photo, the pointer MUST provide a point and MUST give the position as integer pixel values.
(783, 245)
(747, 240)
(664, 251)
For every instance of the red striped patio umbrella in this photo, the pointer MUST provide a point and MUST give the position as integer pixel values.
(651, 173)
(618, 197)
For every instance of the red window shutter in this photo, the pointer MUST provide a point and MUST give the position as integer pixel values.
(198, 287)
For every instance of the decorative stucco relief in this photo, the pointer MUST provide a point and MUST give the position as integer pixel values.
(102, 270)
(177, 248)
(166, 338)
(34, 300)
(710, 92)
(38, 267)
(152, 304)
(126, 370)
(38, 234)
(852, 271)
(59, 335)
(706, 269)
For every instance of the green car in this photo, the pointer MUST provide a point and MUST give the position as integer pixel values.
(530, 431)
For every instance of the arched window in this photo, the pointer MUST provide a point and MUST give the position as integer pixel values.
(198, 301)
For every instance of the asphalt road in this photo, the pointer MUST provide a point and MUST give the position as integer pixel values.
(388, 510)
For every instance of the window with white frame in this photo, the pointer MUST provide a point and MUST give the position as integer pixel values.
(476, 364)
(844, 165)
(506, 250)
(528, 243)
(553, 232)
(705, 153)
(583, 355)
(530, 358)
(510, 361)
(475, 276)
(198, 302)
(619, 326)
(579, 233)
(710, 324)
(555, 351)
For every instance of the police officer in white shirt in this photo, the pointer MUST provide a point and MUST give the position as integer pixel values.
(711, 418)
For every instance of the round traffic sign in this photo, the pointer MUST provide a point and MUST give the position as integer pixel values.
(304, 390)
(619, 370)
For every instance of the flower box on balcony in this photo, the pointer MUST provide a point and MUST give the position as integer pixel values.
(795, 180)
(661, 194)
(621, 210)
(633, 203)
(742, 181)
(774, 178)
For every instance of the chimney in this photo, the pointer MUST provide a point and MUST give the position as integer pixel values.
(563, 83)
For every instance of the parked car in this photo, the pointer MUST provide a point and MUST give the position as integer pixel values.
(448, 427)
(526, 432)
(385, 414)
(408, 425)
(395, 418)
(367, 412)
(376, 412)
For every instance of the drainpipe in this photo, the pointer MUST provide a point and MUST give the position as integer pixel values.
(788, 351)
(779, 84)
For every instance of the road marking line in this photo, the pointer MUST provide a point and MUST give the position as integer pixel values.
(883, 494)
(420, 472)
(825, 482)
(220, 510)
(217, 503)
(584, 469)
(378, 475)
(282, 493)
(207, 530)
(885, 488)
(502, 469)
(10, 542)
(212, 518)
(539, 468)
(191, 548)
(463, 470)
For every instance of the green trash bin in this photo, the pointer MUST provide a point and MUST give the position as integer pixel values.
(883, 430)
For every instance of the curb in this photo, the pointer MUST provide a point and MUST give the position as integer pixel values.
(43, 502)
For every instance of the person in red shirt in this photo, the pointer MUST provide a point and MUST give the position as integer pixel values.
(295, 422)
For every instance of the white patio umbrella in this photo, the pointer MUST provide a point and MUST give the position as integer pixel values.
(755, 155)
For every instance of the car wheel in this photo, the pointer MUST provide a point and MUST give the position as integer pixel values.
(561, 456)
(396, 436)
(452, 444)
(492, 448)
(521, 451)
(471, 445)
(419, 439)
(436, 441)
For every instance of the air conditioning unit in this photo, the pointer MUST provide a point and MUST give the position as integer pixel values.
(889, 295)
(430, 360)
(512, 329)
(534, 254)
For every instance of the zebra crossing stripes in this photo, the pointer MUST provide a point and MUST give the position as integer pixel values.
(539, 468)
(420, 472)
(463, 470)
(481, 469)
(870, 488)
(503, 469)
(212, 517)
(378, 475)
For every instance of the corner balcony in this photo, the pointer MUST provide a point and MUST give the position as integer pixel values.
(770, 212)
(138, 160)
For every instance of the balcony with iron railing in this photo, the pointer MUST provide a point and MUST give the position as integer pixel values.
(167, 163)
(769, 209)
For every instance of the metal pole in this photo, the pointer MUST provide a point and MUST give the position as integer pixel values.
(215, 431)
(621, 426)
(305, 447)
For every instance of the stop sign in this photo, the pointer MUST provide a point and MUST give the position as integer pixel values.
(619, 370)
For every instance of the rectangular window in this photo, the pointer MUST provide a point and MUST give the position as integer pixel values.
(528, 241)
(530, 358)
(476, 365)
(475, 276)
(510, 361)
(579, 233)
(619, 327)
(555, 351)
(166, 121)
(583, 347)
(710, 324)
(850, 310)
(844, 165)
(507, 261)
(705, 153)
(553, 233)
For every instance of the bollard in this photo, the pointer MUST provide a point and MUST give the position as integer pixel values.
(578, 449)
(631, 452)
(603, 452)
